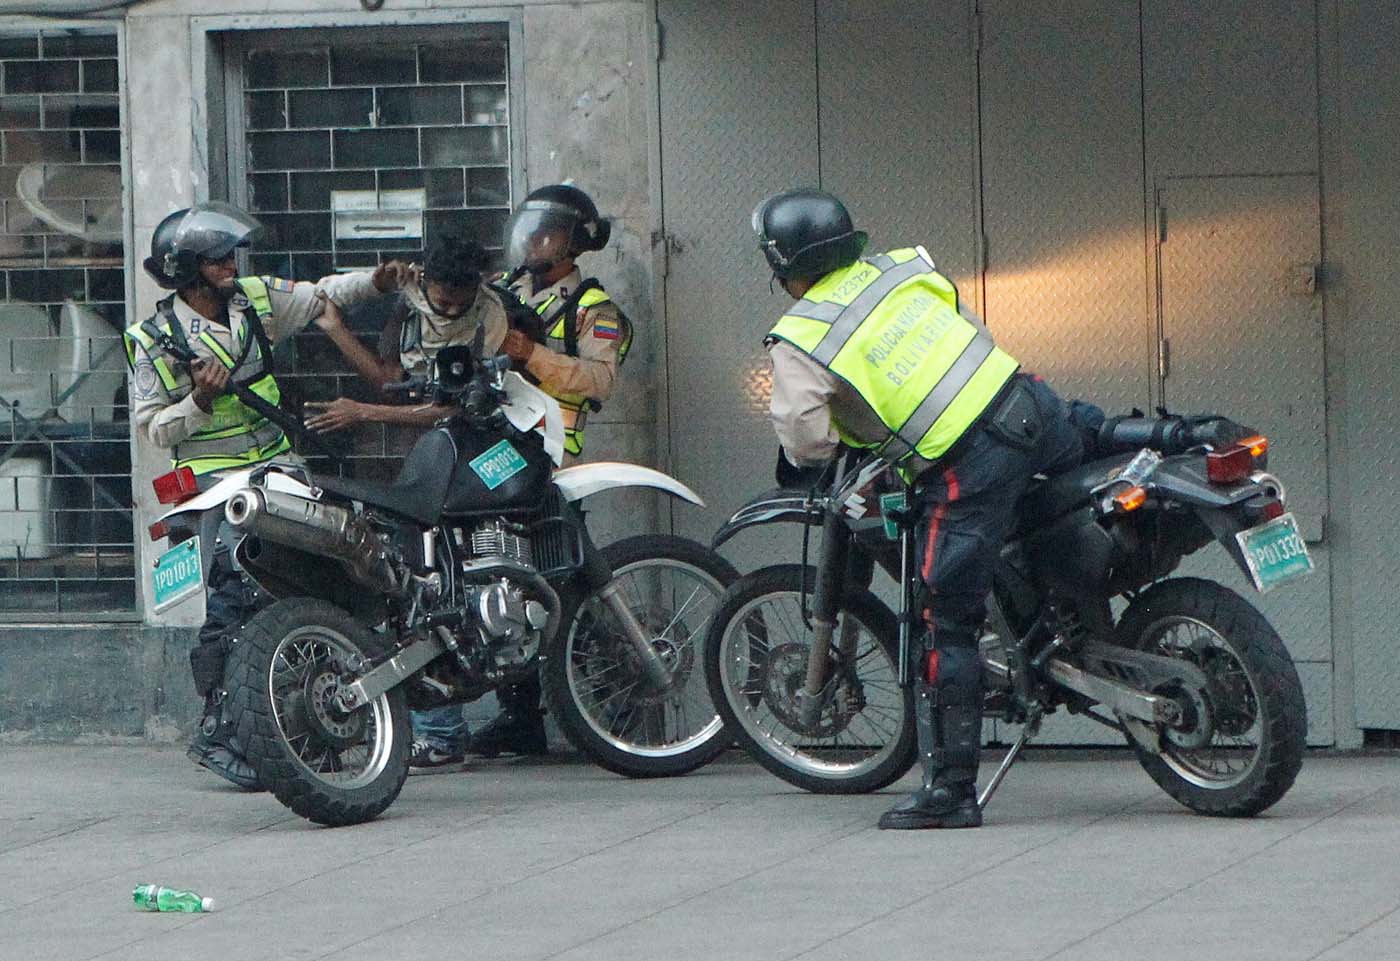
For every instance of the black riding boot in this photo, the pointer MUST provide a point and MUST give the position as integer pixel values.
(518, 729)
(949, 716)
(214, 747)
(228, 603)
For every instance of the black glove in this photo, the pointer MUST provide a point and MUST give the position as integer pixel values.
(522, 316)
(788, 475)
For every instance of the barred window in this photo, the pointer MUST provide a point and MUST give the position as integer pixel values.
(65, 472)
(355, 147)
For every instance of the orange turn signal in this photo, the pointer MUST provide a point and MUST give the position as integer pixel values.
(1130, 499)
(1258, 445)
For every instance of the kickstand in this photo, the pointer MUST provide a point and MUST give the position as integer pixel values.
(1030, 730)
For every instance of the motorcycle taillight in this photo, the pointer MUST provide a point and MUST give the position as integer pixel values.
(1237, 462)
(177, 535)
(175, 487)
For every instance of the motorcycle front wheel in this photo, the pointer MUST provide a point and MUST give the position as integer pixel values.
(1239, 742)
(330, 766)
(594, 683)
(863, 736)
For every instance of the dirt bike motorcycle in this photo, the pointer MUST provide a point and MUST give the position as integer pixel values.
(811, 671)
(459, 577)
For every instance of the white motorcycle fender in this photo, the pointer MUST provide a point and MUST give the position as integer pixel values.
(579, 482)
(235, 482)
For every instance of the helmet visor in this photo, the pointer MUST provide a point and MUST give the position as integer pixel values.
(538, 235)
(213, 230)
(756, 220)
(769, 247)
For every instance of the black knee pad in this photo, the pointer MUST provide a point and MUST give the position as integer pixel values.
(958, 679)
(207, 666)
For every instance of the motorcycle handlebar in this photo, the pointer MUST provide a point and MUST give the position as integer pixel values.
(411, 386)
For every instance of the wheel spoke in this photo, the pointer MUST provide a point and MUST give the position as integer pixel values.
(1231, 698)
(856, 727)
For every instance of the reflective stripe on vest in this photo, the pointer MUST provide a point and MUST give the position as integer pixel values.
(889, 327)
(135, 334)
(575, 406)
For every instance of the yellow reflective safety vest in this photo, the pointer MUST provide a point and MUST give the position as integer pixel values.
(237, 436)
(575, 407)
(889, 327)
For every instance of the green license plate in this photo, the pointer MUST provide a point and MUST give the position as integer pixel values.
(1275, 552)
(892, 504)
(178, 574)
(498, 465)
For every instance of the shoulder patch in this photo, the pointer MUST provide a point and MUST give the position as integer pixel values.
(277, 283)
(145, 380)
(239, 301)
(606, 327)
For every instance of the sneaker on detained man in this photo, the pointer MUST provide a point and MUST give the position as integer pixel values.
(425, 758)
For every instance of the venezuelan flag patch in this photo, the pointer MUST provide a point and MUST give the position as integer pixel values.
(606, 328)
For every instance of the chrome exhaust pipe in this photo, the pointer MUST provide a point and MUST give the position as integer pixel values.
(293, 521)
(314, 527)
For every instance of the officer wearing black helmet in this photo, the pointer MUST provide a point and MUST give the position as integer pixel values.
(876, 353)
(586, 340)
(229, 324)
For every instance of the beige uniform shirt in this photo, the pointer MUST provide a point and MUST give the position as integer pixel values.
(433, 333)
(166, 421)
(808, 400)
(593, 372)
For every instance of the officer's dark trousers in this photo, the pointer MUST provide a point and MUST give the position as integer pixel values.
(227, 603)
(971, 505)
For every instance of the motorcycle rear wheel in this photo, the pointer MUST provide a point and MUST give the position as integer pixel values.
(755, 659)
(594, 685)
(1244, 745)
(330, 767)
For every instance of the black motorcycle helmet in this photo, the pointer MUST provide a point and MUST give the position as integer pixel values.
(806, 234)
(208, 231)
(552, 224)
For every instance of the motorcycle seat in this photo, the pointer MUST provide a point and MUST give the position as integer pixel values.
(1049, 499)
(420, 489)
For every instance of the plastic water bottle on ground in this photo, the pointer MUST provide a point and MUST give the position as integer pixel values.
(155, 898)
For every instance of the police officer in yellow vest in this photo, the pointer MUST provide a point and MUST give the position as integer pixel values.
(876, 354)
(230, 324)
(586, 339)
(586, 336)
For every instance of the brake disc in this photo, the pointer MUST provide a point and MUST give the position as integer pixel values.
(679, 661)
(317, 705)
(1195, 725)
(785, 675)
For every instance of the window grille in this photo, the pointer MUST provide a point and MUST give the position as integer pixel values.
(65, 471)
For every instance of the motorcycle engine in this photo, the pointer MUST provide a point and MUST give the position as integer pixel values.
(496, 540)
(508, 619)
(506, 616)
